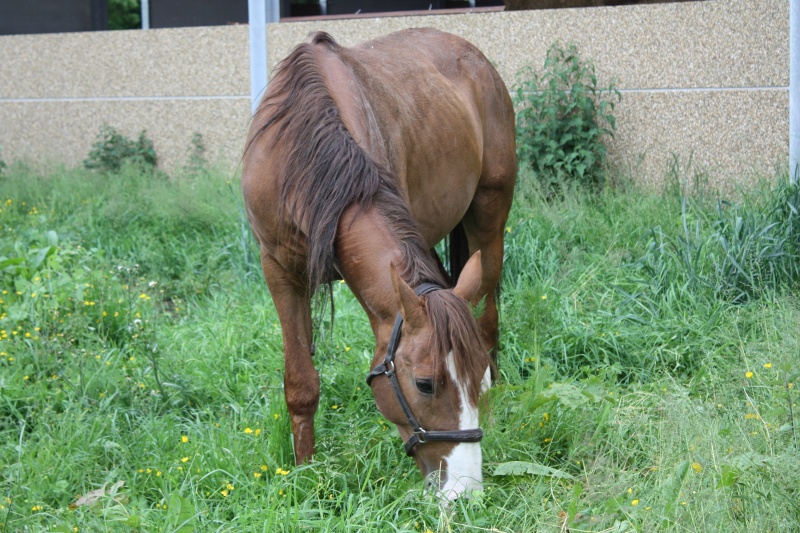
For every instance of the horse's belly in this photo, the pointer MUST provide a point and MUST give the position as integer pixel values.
(441, 194)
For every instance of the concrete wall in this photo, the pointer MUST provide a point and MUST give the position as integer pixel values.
(56, 91)
(702, 79)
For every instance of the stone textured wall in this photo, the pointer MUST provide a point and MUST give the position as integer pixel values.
(702, 80)
(58, 90)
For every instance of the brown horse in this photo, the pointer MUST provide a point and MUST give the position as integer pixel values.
(358, 161)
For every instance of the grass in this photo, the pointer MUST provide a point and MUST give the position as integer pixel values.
(645, 384)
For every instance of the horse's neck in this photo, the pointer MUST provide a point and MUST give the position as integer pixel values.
(366, 251)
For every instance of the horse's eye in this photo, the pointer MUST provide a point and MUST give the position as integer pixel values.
(425, 386)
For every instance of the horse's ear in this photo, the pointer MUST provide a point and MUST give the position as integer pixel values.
(411, 306)
(470, 279)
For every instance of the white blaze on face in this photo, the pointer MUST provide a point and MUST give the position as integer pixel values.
(465, 461)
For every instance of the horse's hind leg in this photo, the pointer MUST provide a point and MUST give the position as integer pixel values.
(484, 224)
(300, 378)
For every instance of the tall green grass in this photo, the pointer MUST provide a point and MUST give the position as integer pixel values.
(649, 362)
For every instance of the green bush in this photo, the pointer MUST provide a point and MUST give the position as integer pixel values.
(112, 149)
(563, 121)
(196, 160)
(124, 14)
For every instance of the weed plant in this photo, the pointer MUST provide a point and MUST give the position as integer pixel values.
(112, 150)
(141, 370)
(564, 119)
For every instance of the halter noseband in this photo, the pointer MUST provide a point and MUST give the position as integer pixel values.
(419, 435)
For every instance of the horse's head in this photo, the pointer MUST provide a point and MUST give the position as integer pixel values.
(434, 369)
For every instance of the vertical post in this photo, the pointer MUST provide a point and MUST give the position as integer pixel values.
(259, 13)
(145, 14)
(273, 11)
(794, 89)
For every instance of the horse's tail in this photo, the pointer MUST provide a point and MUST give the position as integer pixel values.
(459, 252)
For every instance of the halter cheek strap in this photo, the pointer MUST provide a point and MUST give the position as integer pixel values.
(386, 368)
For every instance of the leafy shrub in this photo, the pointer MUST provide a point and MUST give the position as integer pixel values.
(124, 14)
(563, 120)
(196, 160)
(2, 163)
(112, 149)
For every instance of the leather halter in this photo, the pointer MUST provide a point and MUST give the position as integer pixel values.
(419, 435)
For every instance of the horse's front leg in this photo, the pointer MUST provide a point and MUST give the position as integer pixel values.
(300, 378)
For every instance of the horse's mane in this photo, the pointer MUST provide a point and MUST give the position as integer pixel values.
(323, 171)
(457, 331)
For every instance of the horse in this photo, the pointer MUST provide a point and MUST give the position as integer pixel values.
(357, 162)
